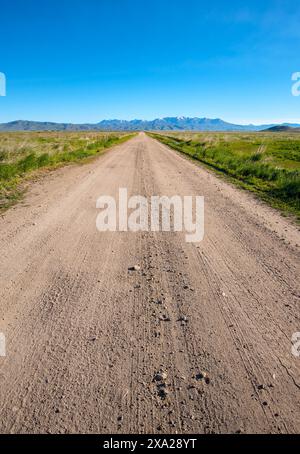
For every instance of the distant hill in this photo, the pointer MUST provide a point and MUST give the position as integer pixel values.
(282, 128)
(159, 124)
(24, 125)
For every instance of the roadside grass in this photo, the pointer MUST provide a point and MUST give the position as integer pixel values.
(23, 153)
(265, 163)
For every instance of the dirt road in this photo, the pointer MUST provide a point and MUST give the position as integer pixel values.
(85, 337)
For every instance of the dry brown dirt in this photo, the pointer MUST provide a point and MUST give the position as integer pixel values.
(86, 338)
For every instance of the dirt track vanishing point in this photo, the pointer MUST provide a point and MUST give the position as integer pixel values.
(198, 340)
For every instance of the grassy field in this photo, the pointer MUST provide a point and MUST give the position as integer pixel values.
(22, 153)
(265, 163)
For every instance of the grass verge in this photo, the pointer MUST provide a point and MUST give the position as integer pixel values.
(22, 154)
(267, 165)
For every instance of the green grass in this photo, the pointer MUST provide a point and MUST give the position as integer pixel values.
(22, 153)
(265, 163)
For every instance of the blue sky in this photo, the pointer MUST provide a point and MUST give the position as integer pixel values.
(83, 61)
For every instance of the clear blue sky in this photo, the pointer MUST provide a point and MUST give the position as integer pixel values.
(86, 60)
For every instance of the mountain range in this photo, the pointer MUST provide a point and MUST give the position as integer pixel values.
(159, 124)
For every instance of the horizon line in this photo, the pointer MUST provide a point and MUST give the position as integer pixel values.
(238, 123)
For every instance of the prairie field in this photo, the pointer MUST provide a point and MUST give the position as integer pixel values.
(21, 153)
(265, 163)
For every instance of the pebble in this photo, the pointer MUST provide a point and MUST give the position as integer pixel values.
(164, 318)
(134, 268)
(163, 393)
(160, 376)
(203, 376)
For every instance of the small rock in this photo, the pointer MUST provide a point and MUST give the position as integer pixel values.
(163, 393)
(158, 302)
(203, 376)
(199, 376)
(134, 268)
(164, 318)
(161, 376)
